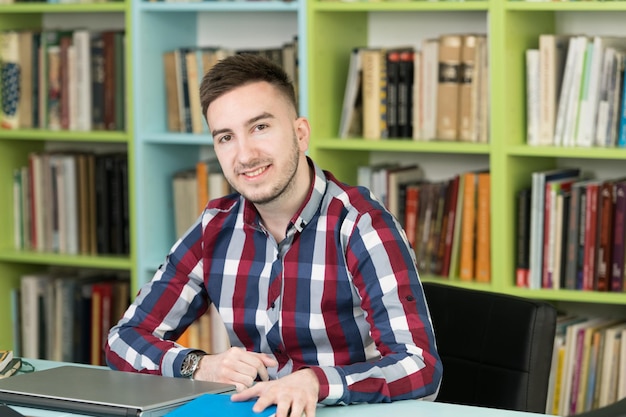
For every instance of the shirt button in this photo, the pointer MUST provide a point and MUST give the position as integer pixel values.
(410, 298)
(273, 306)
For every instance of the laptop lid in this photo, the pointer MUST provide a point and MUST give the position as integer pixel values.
(103, 392)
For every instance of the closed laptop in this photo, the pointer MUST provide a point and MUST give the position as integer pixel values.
(103, 392)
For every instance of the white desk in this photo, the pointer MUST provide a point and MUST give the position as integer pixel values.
(408, 408)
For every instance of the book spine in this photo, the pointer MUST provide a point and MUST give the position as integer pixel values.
(572, 239)
(405, 94)
(605, 234)
(449, 73)
(468, 224)
(619, 236)
(483, 229)
(523, 238)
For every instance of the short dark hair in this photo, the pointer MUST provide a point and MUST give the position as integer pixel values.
(241, 69)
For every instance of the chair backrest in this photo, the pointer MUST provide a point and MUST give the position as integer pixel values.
(496, 349)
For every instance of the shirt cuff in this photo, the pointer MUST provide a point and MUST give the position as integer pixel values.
(332, 388)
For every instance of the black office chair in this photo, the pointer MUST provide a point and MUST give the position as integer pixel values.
(496, 349)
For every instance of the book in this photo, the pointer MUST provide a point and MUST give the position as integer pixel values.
(590, 244)
(448, 86)
(10, 79)
(405, 93)
(533, 106)
(619, 240)
(468, 228)
(552, 55)
(194, 76)
(573, 227)
(374, 93)
(539, 179)
(483, 228)
(522, 257)
(210, 404)
(572, 62)
(451, 225)
(171, 74)
(468, 88)
(584, 49)
(351, 117)
(428, 89)
(27, 68)
(590, 100)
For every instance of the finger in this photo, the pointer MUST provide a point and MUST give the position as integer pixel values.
(282, 409)
(247, 394)
(309, 409)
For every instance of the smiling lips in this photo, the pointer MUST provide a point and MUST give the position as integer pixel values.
(256, 172)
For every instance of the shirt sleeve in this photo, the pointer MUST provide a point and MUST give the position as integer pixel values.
(144, 338)
(384, 272)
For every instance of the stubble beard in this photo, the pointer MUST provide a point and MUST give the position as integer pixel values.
(283, 187)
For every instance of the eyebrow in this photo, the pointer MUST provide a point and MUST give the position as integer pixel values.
(264, 115)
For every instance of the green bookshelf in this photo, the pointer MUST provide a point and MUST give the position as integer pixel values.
(335, 27)
(16, 145)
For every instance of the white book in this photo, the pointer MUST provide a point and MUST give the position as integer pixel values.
(589, 105)
(430, 77)
(573, 107)
(621, 378)
(351, 92)
(71, 203)
(81, 42)
(608, 382)
(602, 117)
(32, 288)
(532, 97)
(552, 55)
(566, 89)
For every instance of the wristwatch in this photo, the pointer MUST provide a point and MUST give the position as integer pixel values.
(190, 363)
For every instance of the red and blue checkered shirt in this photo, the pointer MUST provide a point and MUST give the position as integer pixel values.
(339, 295)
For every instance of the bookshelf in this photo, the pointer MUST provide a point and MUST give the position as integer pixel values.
(16, 145)
(335, 27)
(164, 26)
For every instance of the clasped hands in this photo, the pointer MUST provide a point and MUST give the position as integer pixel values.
(294, 395)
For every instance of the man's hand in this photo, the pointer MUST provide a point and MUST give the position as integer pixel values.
(294, 395)
(236, 366)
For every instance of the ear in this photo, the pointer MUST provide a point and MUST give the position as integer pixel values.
(303, 132)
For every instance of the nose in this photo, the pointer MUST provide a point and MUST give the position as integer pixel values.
(246, 150)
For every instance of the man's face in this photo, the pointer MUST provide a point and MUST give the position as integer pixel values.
(259, 142)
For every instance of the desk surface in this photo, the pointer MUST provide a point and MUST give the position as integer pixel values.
(408, 408)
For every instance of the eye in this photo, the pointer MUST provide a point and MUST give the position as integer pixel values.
(261, 126)
(223, 138)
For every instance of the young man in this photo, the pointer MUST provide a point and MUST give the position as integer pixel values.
(314, 279)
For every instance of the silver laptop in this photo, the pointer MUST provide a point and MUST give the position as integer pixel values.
(103, 392)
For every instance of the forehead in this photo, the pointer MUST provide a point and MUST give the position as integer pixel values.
(247, 101)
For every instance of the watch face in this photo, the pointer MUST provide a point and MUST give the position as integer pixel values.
(189, 364)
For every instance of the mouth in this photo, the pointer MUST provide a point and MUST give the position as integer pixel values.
(257, 172)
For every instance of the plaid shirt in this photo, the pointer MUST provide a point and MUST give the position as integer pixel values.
(339, 295)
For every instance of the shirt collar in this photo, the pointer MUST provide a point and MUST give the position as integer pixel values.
(308, 209)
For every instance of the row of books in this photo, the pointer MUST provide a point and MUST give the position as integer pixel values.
(588, 364)
(438, 92)
(446, 222)
(65, 315)
(192, 188)
(184, 69)
(73, 203)
(571, 232)
(63, 80)
(575, 91)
